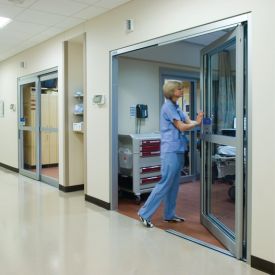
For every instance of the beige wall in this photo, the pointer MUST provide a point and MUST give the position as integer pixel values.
(152, 19)
(75, 156)
(139, 83)
(37, 59)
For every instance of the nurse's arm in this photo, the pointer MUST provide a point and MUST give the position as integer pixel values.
(197, 121)
(188, 124)
(185, 126)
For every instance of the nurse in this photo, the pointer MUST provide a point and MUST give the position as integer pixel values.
(173, 123)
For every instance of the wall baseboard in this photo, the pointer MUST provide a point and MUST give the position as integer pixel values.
(98, 202)
(72, 188)
(16, 170)
(262, 265)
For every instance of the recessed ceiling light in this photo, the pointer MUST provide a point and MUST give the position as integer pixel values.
(4, 21)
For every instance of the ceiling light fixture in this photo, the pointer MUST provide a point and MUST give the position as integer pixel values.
(4, 21)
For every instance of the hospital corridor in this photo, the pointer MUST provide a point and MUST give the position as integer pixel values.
(136, 137)
(45, 231)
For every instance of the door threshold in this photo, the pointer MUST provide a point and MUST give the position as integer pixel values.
(50, 181)
(199, 242)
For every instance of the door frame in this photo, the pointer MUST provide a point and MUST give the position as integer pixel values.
(168, 39)
(35, 77)
(44, 178)
(21, 130)
(226, 236)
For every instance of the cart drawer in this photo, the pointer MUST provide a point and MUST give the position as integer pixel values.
(149, 154)
(150, 169)
(150, 180)
(150, 142)
(149, 148)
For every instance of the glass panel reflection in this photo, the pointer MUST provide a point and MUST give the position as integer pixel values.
(49, 126)
(223, 91)
(49, 156)
(220, 178)
(29, 153)
(29, 104)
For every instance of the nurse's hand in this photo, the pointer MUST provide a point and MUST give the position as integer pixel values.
(199, 117)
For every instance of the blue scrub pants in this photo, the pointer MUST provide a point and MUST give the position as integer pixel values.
(166, 189)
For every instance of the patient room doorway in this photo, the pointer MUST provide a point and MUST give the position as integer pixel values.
(212, 194)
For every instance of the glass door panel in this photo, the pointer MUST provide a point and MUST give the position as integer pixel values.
(49, 128)
(222, 91)
(222, 139)
(221, 172)
(28, 129)
(185, 104)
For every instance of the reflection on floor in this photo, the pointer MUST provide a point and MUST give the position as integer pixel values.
(50, 172)
(188, 206)
(44, 231)
(222, 207)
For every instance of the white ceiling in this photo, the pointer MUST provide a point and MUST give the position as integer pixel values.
(35, 21)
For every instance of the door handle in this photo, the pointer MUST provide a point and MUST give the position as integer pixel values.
(207, 125)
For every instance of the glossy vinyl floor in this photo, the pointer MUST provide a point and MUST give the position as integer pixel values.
(45, 231)
(188, 206)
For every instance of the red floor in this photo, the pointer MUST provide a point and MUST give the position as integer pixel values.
(188, 206)
(52, 172)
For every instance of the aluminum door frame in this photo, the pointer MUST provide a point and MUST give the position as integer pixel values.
(167, 39)
(37, 78)
(216, 227)
(21, 129)
(51, 181)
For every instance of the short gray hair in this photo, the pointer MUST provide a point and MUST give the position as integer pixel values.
(169, 88)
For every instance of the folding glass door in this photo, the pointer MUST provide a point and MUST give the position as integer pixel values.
(222, 139)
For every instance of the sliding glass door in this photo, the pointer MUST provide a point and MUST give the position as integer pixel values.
(38, 127)
(49, 168)
(29, 128)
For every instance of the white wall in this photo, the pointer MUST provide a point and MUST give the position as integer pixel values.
(152, 19)
(138, 84)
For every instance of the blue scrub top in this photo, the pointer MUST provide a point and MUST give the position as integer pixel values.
(172, 140)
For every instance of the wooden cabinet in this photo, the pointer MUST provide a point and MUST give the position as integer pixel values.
(29, 149)
(29, 111)
(49, 120)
